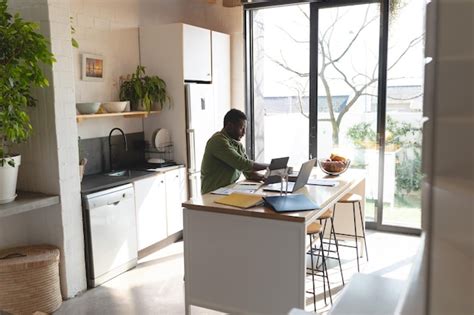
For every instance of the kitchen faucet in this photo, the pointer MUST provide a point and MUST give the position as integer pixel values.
(110, 144)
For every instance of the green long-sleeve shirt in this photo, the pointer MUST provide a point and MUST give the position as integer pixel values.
(223, 161)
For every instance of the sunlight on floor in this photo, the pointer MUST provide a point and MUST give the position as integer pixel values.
(156, 285)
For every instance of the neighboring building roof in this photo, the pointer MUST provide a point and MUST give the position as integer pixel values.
(290, 104)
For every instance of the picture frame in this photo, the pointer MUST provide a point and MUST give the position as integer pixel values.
(92, 67)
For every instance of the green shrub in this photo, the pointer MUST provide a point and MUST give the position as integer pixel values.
(22, 51)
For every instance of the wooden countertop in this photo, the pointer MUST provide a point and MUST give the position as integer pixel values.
(321, 195)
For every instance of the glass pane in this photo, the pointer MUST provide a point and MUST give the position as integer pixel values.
(402, 190)
(281, 78)
(347, 89)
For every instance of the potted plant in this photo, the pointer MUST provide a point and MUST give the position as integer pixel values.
(22, 51)
(143, 91)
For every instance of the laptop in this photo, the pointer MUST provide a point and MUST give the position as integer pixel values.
(301, 180)
(276, 164)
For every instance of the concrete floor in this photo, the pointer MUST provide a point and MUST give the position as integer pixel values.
(156, 285)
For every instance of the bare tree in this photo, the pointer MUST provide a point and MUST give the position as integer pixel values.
(332, 61)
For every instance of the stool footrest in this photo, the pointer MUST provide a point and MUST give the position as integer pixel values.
(351, 235)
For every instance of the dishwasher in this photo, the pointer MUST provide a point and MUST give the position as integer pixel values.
(110, 233)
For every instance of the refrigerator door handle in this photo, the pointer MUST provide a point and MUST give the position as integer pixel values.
(192, 151)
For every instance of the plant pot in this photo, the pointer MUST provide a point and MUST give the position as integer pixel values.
(8, 179)
(138, 106)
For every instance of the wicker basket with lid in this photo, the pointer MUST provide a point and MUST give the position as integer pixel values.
(29, 279)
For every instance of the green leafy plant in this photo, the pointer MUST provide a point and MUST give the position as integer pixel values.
(143, 90)
(397, 134)
(22, 51)
(401, 137)
(74, 42)
(408, 173)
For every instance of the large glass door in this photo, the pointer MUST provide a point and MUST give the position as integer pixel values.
(348, 59)
(326, 77)
(280, 68)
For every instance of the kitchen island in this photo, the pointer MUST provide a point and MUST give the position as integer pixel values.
(253, 260)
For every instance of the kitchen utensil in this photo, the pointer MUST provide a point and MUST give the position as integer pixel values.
(115, 107)
(156, 161)
(88, 108)
(161, 139)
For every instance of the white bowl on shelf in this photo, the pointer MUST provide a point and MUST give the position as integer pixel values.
(114, 107)
(87, 108)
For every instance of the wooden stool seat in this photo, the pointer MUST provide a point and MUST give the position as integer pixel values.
(350, 198)
(355, 199)
(313, 228)
(326, 215)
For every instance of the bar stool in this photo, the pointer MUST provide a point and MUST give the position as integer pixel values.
(332, 235)
(313, 230)
(354, 199)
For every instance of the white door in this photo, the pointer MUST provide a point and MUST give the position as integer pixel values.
(201, 125)
(196, 53)
(220, 76)
(176, 194)
(150, 203)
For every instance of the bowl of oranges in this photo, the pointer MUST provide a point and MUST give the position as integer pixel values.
(334, 165)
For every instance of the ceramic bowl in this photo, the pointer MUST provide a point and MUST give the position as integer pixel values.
(88, 108)
(114, 107)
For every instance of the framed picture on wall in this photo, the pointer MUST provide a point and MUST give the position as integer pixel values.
(92, 67)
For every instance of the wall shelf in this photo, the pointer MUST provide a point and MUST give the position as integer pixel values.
(27, 201)
(133, 114)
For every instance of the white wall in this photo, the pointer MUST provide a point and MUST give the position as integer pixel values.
(110, 29)
(50, 158)
(451, 105)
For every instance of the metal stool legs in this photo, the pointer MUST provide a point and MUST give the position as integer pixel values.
(356, 236)
(314, 269)
(332, 234)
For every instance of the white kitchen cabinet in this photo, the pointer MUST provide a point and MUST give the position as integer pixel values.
(150, 205)
(166, 51)
(220, 76)
(176, 194)
(158, 206)
(196, 53)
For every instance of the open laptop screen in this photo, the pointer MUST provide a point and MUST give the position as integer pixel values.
(301, 180)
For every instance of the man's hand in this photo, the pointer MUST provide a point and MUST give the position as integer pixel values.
(259, 166)
(255, 176)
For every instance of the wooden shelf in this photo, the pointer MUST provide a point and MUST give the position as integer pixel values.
(27, 201)
(134, 114)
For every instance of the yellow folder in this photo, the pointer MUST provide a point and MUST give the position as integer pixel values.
(240, 200)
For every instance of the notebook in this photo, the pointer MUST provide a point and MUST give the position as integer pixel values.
(301, 180)
(240, 200)
(290, 203)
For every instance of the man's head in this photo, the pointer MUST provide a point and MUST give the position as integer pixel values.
(235, 123)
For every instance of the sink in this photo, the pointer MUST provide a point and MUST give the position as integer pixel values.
(118, 173)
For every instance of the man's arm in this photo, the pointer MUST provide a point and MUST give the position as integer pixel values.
(253, 174)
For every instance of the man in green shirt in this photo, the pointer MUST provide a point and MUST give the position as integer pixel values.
(224, 158)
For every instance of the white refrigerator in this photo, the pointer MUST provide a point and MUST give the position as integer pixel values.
(201, 124)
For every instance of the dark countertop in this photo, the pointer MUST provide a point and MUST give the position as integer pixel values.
(93, 183)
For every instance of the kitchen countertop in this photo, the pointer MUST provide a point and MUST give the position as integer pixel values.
(97, 182)
(323, 196)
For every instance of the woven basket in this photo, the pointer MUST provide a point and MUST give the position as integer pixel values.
(29, 279)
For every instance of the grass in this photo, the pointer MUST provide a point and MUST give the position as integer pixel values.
(406, 211)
